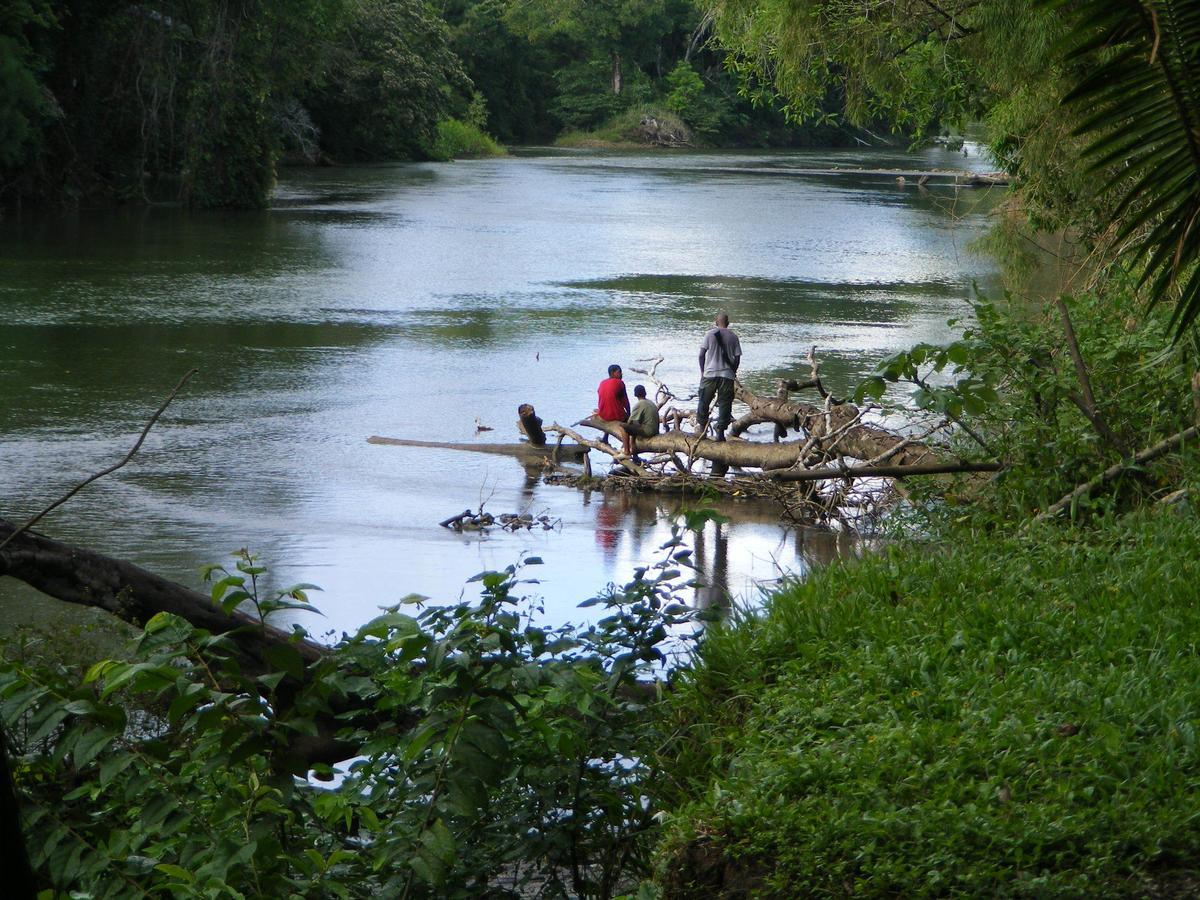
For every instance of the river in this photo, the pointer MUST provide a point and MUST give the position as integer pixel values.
(413, 300)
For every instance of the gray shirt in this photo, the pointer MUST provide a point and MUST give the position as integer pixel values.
(716, 363)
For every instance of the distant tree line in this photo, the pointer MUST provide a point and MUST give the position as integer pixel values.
(105, 101)
(198, 99)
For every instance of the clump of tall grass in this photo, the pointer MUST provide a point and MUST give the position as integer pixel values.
(462, 140)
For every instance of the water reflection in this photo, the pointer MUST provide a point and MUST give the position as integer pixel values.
(411, 300)
(712, 586)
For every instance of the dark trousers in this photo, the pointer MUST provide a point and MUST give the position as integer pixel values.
(722, 390)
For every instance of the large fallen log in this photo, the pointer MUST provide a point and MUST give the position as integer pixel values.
(523, 451)
(733, 452)
(76, 575)
(857, 439)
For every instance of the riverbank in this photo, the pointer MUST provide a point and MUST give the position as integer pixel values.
(1012, 714)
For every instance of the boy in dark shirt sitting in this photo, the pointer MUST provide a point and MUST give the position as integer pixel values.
(642, 422)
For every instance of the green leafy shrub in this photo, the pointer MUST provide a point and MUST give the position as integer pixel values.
(1013, 385)
(489, 750)
(462, 140)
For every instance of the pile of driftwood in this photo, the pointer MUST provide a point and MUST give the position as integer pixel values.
(839, 462)
(482, 521)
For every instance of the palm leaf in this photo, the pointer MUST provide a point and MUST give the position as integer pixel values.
(1138, 102)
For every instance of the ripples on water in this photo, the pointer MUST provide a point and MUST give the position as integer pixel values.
(407, 300)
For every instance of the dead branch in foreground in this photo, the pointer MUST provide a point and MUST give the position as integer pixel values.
(128, 456)
(1142, 457)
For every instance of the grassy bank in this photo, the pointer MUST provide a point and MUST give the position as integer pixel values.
(1002, 715)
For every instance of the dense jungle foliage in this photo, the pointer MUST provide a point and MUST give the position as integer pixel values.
(197, 101)
(104, 102)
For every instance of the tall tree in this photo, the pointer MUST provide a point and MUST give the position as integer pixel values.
(389, 76)
(22, 104)
(1092, 104)
(613, 27)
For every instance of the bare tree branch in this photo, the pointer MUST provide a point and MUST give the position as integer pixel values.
(1086, 402)
(128, 456)
(1150, 453)
(598, 445)
(947, 468)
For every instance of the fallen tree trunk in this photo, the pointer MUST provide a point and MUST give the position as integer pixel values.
(857, 439)
(135, 595)
(735, 452)
(524, 451)
(75, 575)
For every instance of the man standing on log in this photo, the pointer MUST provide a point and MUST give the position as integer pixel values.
(720, 355)
(613, 403)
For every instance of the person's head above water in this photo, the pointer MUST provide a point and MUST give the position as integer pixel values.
(722, 320)
(614, 371)
(639, 391)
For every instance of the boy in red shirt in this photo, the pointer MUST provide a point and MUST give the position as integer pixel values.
(613, 401)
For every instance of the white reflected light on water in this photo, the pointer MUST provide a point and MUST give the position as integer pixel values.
(410, 300)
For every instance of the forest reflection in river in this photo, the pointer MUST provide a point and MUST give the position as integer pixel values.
(411, 300)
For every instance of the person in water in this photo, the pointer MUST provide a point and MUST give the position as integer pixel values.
(642, 422)
(613, 403)
(720, 356)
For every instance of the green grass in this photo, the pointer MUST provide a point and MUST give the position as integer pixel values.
(462, 140)
(999, 716)
(620, 130)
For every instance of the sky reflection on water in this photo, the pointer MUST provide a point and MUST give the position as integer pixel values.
(409, 300)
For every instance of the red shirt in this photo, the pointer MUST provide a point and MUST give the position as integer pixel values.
(614, 402)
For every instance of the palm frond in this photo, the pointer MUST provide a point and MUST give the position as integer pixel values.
(1139, 103)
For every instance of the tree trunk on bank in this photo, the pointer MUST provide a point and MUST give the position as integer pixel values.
(75, 575)
(616, 72)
